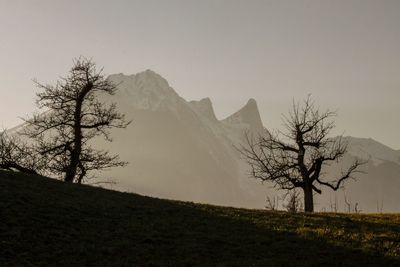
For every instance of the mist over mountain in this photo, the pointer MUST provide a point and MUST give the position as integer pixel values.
(179, 149)
(378, 188)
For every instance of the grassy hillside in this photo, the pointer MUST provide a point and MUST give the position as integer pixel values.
(45, 222)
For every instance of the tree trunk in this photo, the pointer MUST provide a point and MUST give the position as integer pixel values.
(76, 152)
(71, 170)
(75, 155)
(308, 199)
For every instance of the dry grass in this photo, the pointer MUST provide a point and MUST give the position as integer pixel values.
(46, 223)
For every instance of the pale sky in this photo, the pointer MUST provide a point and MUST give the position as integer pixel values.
(346, 53)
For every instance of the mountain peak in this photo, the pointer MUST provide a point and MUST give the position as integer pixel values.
(204, 106)
(144, 90)
(147, 76)
(251, 102)
(248, 115)
(152, 75)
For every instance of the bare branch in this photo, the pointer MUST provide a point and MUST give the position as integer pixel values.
(73, 116)
(335, 185)
(296, 158)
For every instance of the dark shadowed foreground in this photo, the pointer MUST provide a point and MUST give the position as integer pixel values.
(46, 222)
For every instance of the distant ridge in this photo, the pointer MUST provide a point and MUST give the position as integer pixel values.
(178, 149)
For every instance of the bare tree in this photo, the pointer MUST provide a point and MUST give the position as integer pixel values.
(295, 158)
(333, 205)
(272, 203)
(356, 208)
(348, 204)
(18, 155)
(73, 117)
(379, 206)
(294, 203)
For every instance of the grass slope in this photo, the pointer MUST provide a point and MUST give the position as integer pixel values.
(48, 223)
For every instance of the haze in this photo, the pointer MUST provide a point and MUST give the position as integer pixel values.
(345, 53)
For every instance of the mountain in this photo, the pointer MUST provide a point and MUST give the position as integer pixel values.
(247, 117)
(179, 149)
(378, 188)
(370, 149)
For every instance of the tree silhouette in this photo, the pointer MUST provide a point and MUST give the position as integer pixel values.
(18, 155)
(295, 158)
(73, 117)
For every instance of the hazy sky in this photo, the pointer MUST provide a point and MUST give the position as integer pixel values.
(346, 53)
